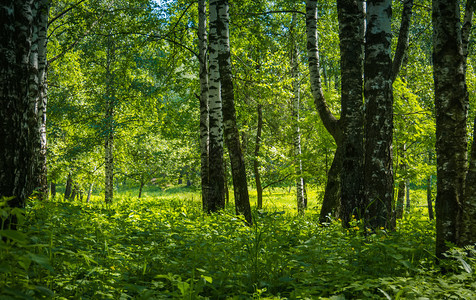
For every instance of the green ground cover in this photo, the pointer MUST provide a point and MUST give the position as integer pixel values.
(164, 247)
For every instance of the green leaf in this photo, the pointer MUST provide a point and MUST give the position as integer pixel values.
(13, 235)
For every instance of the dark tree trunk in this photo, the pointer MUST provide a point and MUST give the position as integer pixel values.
(451, 114)
(232, 137)
(428, 198)
(20, 138)
(259, 188)
(351, 34)
(400, 199)
(53, 189)
(378, 171)
(68, 188)
(109, 123)
(330, 204)
(141, 187)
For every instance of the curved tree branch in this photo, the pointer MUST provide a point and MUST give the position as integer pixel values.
(330, 121)
(403, 38)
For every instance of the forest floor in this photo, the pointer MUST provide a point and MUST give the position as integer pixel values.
(163, 246)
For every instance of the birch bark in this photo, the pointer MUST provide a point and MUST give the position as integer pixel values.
(204, 136)
(378, 170)
(451, 114)
(19, 125)
(232, 137)
(216, 183)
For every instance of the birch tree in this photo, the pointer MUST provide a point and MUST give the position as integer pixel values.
(455, 206)
(351, 34)
(203, 98)
(232, 137)
(216, 183)
(295, 103)
(22, 60)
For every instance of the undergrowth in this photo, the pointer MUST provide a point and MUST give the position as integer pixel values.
(166, 248)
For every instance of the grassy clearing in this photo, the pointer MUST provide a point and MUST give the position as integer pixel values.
(164, 247)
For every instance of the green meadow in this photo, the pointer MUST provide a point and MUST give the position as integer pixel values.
(163, 246)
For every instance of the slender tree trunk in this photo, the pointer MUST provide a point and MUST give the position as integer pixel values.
(300, 191)
(68, 187)
(400, 199)
(109, 124)
(41, 169)
(232, 137)
(90, 191)
(428, 198)
(259, 188)
(53, 190)
(451, 114)
(141, 187)
(204, 139)
(332, 194)
(351, 34)
(216, 183)
(407, 197)
(378, 174)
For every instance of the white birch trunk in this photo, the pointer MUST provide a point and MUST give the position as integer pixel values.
(232, 137)
(204, 135)
(216, 196)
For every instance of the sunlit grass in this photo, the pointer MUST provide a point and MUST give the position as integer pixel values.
(164, 246)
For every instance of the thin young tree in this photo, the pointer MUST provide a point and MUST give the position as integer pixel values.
(203, 98)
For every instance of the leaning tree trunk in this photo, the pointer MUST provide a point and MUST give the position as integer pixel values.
(259, 188)
(351, 35)
(232, 137)
(331, 196)
(109, 124)
(451, 114)
(202, 48)
(378, 174)
(216, 179)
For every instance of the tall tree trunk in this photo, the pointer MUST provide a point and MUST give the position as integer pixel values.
(232, 137)
(451, 114)
(204, 139)
(216, 180)
(468, 222)
(332, 125)
(19, 131)
(41, 169)
(351, 34)
(378, 174)
(301, 197)
(109, 123)
(141, 187)
(259, 188)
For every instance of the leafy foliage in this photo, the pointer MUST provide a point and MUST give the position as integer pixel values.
(165, 247)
